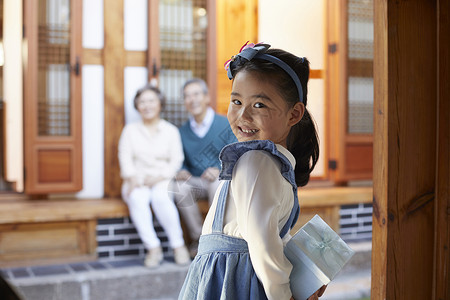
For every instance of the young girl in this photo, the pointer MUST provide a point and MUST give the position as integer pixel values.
(240, 254)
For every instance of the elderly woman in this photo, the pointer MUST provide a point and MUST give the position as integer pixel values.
(150, 154)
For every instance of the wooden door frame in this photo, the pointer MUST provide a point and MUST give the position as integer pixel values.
(341, 144)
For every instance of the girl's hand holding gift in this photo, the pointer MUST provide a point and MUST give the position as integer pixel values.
(318, 294)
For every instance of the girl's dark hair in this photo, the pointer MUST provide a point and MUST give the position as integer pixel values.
(302, 140)
(152, 88)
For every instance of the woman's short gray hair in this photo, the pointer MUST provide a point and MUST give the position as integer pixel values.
(152, 88)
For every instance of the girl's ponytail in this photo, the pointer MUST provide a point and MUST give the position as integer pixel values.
(303, 143)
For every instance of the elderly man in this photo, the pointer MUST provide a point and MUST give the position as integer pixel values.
(203, 137)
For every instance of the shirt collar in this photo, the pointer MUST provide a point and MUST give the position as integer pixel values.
(207, 120)
(286, 153)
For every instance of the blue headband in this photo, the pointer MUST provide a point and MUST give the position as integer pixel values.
(258, 51)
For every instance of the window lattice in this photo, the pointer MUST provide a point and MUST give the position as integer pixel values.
(54, 68)
(360, 66)
(183, 25)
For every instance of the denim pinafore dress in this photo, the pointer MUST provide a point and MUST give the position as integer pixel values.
(222, 268)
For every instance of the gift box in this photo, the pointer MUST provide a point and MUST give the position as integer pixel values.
(317, 254)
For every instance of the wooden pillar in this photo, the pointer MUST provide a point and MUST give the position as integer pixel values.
(441, 282)
(405, 111)
(114, 62)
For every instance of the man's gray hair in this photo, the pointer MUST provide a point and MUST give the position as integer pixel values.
(200, 81)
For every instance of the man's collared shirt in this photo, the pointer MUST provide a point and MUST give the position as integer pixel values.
(201, 129)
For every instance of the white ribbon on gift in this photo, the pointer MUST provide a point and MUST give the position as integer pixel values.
(297, 257)
(323, 246)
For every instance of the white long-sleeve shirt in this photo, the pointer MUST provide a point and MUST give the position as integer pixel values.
(144, 154)
(259, 203)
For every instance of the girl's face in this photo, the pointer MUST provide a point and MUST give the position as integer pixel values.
(258, 112)
(149, 105)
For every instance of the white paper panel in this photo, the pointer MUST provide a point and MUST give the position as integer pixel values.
(134, 79)
(360, 105)
(93, 132)
(176, 19)
(13, 93)
(93, 30)
(135, 25)
(316, 104)
(171, 78)
(297, 26)
(58, 100)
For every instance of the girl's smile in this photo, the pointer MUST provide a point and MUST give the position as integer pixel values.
(258, 112)
(249, 131)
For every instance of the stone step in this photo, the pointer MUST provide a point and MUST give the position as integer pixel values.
(130, 280)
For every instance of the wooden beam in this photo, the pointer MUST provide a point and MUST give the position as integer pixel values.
(47, 243)
(92, 56)
(16, 211)
(114, 63)
(136, 58)
(404, 149)
(316, 74)
(315, 197)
